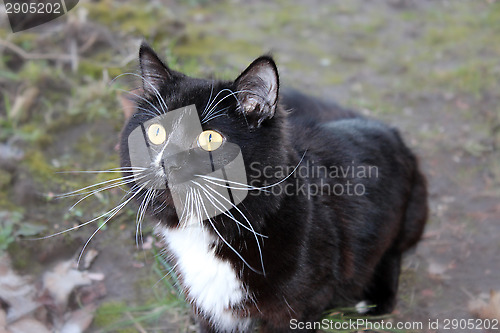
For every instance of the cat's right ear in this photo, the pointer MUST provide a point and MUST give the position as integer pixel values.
(257, 93)
(153, 71)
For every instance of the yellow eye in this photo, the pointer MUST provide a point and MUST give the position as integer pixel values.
(157, 134)
(210, 140)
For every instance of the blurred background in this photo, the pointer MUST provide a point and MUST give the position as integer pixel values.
(429, 67)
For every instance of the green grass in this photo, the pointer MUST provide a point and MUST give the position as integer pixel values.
(168, 302)
(14, 226)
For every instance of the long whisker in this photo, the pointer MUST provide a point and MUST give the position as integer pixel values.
(146, 111)
(114, 170)
(157, 93)
(214, 117)
(170, 271)
(231, 94)
(184, 210)
(77, 192)
(209, 98)
(140, 217)
(209, 106)
(90, 221)
(243, 186)
(228, 213)
(117, 209)
(252, 187)
(214, 111)
(200, 202)
(142, 98)
(94, 192)
(249, 224)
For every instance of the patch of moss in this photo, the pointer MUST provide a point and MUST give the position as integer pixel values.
(5, 179)
(471, 78)
(26, 40)
(6, 200)
(38, 167)
(141, 19)
(492, 18)
(199, 45)
(22, 257)
(109, 314)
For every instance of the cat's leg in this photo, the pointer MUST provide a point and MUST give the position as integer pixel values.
(415, 215)
(383, 287)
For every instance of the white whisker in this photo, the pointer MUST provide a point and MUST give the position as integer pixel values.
(225, 241)
(77, 192)
(228, 213)
(249, 224)
(157, 93)
(116, 210)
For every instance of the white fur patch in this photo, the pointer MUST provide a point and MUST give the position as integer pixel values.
(211, 283)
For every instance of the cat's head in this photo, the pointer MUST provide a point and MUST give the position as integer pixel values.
(196, 145)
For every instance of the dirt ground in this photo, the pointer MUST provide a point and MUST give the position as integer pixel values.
(429, 67)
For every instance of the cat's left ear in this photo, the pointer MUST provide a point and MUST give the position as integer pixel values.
(154, 72)
(257, 90)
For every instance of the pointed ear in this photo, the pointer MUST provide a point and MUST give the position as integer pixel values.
(257, 88)
(153, 71)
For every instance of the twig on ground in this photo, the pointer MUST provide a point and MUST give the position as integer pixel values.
(34, 56)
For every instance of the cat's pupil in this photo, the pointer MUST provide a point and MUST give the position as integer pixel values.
(210, 138)
(157, 131)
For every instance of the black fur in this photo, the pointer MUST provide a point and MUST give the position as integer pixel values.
(322, 251)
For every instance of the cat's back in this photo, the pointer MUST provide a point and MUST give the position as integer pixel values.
(323, 125)
(305, 109)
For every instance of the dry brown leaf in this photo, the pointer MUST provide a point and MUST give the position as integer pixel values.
(89, 258)
(28, 325)
(23, 103)
(17, 291)
(79, 320)
(3, 320)
(486, 310)
(61, 281)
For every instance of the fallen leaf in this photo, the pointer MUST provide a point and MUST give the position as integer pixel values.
(89, 294)
(428, 293)
(148, 244)
(89, 258)
(23, 103)
(436, 269)
(3, 319)
(61, 281)
(486, 310)
(79, 320)
(27, 325)
(16, 291)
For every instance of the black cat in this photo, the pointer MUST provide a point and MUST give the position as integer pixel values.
(333, 200)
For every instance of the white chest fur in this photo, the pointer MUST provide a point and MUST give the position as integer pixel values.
(211, 283)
